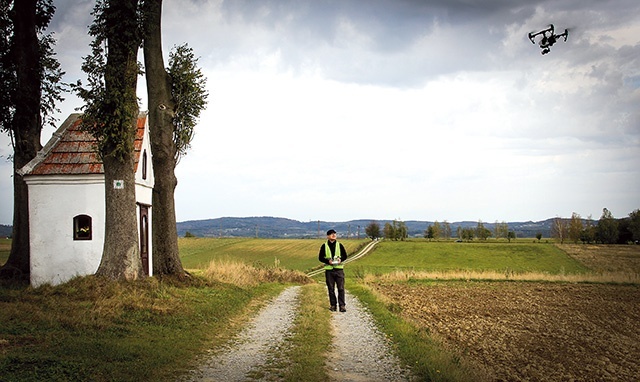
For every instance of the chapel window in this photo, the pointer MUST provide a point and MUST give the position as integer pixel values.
(82, 228)
(144, 164)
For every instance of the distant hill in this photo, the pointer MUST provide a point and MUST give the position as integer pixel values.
(272, 227)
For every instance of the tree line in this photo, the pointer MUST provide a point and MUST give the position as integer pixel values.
(397, 230)
(30, 82)
(607, 230)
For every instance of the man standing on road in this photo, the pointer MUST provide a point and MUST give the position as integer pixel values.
(333, 255)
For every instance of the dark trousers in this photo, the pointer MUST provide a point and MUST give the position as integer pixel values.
(335, 277)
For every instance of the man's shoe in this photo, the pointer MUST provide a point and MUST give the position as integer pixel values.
(333, 308)
(343, 309)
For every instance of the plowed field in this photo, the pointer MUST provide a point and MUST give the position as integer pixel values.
(536, 331)
(532, 331)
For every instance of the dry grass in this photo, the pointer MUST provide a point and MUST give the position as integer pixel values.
(601, 277)
(95, 329)
(244, 275)
(5, 248)
(606, 258)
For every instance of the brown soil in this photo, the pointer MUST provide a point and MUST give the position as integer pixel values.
(531, 331)
(537, 331)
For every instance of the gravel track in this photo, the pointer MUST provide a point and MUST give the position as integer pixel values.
(360, 352)
(252, 347)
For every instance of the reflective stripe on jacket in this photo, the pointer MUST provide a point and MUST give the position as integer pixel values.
(337, 255)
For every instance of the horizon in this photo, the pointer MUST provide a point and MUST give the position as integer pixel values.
(384, 220)
(379, 220)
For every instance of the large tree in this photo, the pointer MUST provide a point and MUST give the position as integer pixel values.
(176, 96)
(372, 230)
(576, 228)
(634, 225)
(607, 229)
(111, 113)
(396, 230)
(30, 86)
(446, 230)
(559, 229)
(482, 232)
(501, 230)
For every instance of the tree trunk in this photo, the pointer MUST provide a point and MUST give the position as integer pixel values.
(166, 256)
(26, 130)
(121, 256)
(121, 253)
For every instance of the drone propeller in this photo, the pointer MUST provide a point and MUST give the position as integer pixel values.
(532, 35)
(566, 32)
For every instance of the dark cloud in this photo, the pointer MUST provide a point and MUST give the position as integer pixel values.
(405, 43)
(472, 73)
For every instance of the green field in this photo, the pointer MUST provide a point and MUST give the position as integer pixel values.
(517, 257)
(388, 256)
(296, 254)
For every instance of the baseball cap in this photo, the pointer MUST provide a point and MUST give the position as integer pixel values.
(329, 232)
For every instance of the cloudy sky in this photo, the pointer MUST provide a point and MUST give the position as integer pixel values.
(397, 109)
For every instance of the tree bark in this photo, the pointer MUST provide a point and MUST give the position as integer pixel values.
(121, 256)
(121, 253)
(26, 130)
(166, 256)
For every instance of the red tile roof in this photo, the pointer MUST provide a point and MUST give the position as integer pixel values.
(72, 151)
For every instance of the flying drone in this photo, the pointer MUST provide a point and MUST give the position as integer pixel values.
(548, 38)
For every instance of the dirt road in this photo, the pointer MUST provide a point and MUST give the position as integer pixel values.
(359, 351)
(255, 345)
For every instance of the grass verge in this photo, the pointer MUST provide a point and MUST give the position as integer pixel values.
(311, 340)
(428, 359)
(99, 330)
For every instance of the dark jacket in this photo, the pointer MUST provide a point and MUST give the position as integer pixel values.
(332, 247)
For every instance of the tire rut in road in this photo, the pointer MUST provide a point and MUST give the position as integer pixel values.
(360, 352)
(252, 347)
